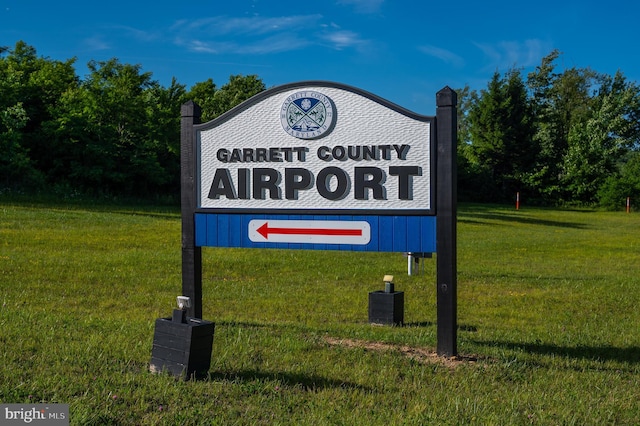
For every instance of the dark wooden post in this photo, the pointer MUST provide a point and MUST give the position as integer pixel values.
(446, 233)
(191, 255)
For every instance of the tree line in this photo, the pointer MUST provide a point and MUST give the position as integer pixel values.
(557, 137)
(115, 132)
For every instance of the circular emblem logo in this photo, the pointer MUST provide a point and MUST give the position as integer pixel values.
(307, 115)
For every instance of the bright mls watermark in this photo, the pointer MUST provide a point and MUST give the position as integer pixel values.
(37, 414)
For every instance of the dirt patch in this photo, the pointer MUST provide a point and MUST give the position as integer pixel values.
(421, 355)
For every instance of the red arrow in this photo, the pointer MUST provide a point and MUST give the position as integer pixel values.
(264, 230)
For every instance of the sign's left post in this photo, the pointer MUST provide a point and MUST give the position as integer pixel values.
(191, 255)
(183, 343)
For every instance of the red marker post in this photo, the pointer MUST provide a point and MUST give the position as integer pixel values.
(628, 204)
(517, 201)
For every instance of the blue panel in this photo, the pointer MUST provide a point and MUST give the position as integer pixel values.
(428, 234)
(244, 230)
(223, 230)
(399, 233)
(414, 233)
(388, 233)
(212, 230)
(385, 230)
(235, 230)
(201, 230)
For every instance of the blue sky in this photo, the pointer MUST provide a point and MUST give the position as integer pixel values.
(404, 51)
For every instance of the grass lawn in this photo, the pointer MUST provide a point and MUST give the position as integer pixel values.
(548, 312)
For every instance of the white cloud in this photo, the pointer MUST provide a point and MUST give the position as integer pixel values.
(442, 54)
(203, 46)
(342, 38)
(223, 25)
(275, 44)
(141, 35)
(96, 44)
(114, 34)
(261, 35)
(513, 54)
(254, 35)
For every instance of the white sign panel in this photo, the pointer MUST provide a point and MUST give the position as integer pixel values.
(315, 148)
(309, 231)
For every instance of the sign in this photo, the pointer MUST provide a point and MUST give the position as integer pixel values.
(316, 149)
(325, 166)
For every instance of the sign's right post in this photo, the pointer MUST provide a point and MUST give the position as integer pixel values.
(446, 233)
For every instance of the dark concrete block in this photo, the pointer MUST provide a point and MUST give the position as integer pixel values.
(386, 308)
(182, 348)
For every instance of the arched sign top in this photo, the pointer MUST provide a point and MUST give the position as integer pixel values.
(298, 86)
(316, 148)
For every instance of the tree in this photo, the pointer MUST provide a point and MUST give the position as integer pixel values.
(626, 183)
(15, 165)
(473, 179)
(29, 86)
(163, 130)
(215, 102)
(501, 133)
(559, 101)
(103, 127)
(116, 132)
(599, 142)
(237, 90)
(203, 94)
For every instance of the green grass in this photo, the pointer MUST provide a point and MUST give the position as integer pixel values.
(547, 306)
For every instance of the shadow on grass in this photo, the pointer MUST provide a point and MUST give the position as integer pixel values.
(129, 207)
(420, 324)
(477, 217)
(461, 327)
(629, 355)
(245, 324)
(304, 381)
